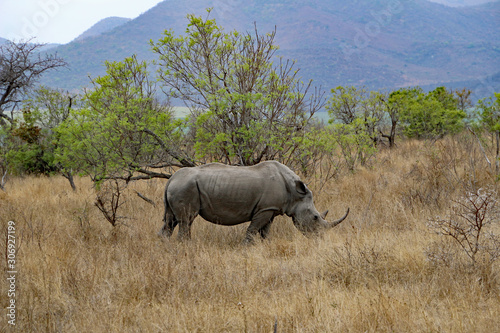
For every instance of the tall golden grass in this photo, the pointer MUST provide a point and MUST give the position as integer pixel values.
(76, 273)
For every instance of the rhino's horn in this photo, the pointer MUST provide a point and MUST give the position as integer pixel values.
(336, 222)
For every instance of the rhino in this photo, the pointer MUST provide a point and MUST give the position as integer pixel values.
(230, 195)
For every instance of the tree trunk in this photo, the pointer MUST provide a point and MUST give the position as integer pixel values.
(393, 133)
(69, 176)
(3, 181)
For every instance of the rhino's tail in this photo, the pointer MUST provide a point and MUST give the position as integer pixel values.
(169, 221)
(165, 203)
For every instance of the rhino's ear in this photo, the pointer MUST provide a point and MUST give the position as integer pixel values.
(300, 187)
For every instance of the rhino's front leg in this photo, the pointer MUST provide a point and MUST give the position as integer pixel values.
(184, 231)
(264, 231)
(261, 222)
(185, 226)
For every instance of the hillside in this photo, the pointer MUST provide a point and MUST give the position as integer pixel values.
(363, 42)
(103, 26)
(458, 3)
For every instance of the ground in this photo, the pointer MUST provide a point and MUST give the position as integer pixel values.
(372, 273)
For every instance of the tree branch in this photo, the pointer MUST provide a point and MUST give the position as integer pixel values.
(185, 161)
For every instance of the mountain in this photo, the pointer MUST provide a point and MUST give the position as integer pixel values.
(103, 26)
(47, 47)
(42, 48)
(376, 43)
(459, 3)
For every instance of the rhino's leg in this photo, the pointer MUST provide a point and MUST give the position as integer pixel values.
(260, 223)
(264, 231)
(185, 219)
(169, 221)
(184, 203)
(185, 230)
(169, 225)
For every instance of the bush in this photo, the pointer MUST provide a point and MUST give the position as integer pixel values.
(473, 225)
(432, 115)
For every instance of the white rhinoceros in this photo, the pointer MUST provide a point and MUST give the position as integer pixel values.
(230, 195)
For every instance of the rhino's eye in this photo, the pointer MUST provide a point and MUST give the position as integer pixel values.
(316, 217)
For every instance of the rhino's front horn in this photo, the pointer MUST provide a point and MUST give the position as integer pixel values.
(336, 222)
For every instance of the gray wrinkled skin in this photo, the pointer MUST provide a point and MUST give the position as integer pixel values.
(230, 195)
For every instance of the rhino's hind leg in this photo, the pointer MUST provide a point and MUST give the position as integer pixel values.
(169, 225)
(261, 223)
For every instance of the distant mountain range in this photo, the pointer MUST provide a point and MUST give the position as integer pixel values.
(376, 43)
(103, 26)
(459, 3)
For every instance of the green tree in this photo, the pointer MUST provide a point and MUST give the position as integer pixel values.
(122, 132)
(247, 108)
(393, 105)
(373, 115)
(31, 140)
(52, 106)
(432, 115)
(355, 143)
(463, 99)
(345, 104)
(23, 148)
(28, 148)
(350, 104)
(356, 117)
(21, 65)
(489, 115)
(317, 155)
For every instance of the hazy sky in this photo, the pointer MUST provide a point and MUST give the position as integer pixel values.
(60, 21)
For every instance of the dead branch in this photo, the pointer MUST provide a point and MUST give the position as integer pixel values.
(143, 197)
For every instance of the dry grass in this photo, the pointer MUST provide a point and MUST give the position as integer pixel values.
(370, 274)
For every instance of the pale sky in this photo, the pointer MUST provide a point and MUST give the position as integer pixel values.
(60, 21)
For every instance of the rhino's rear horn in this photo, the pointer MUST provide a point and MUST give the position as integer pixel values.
(336, 222)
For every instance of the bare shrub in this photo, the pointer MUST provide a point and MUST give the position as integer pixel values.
(473, 225)
(443, 167)
(109, 200)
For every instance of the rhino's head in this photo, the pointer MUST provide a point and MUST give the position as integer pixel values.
(304, 214)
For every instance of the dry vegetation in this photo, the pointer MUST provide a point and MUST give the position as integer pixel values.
(381, 270)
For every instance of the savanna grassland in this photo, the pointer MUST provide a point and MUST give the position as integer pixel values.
(381, 270)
